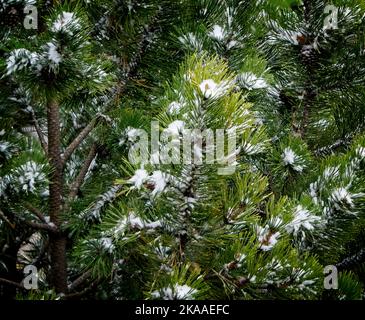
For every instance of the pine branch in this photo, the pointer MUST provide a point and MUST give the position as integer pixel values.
(75, 186)
(79, 281)
(40, 133)
(35, 211)
(185, 212)
(81, 293)
(132, 67)
(343, 142)
(12, 283)
(4, 217)
(352, 261)
(40, 226)
(42, 252)
(78, 140)
(143, 44)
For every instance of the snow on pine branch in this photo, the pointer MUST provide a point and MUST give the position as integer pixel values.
(191, 42)
(213, 90)
(133, 222)
(291, 159)
(157, 180)
(267, 238)
(53, 55)
(6, 149)
(93, 213)
(335, 191)
(20, 59)
(28, 177)
(66, 22)
(250, 81)
(220, 34)
(303, 221)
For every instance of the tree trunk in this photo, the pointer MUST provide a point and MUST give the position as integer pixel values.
(57, 241)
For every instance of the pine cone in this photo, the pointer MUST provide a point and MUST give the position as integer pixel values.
(309, 56)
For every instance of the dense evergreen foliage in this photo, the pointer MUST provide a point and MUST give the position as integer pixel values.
(88, 80)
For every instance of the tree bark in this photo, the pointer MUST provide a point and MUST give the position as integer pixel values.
(58, 240)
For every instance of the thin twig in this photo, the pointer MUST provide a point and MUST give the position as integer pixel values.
(75, 186)
(4, 217)
(42, 252)
(12, 283)
(35, 211)
(78, 140)
(79, 281)
(40, 133)
(81, 293)
(40, 226)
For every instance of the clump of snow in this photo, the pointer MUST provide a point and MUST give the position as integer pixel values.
(303, 219)
(139, 177)
(232, 44)
(267, 238)
(131, 135)
(176, 127)
(159, 181)
(213, 90)
(218, 33)
(290, 158)
(53, 55)
(107, 244)
(66, 22)
(4, 148)
(250, 81)
(51, 224)
(184, 292)
(177, 292)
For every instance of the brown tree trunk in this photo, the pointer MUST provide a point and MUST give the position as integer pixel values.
(58, 240)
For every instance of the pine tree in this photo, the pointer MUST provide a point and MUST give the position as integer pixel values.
(104, 216)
